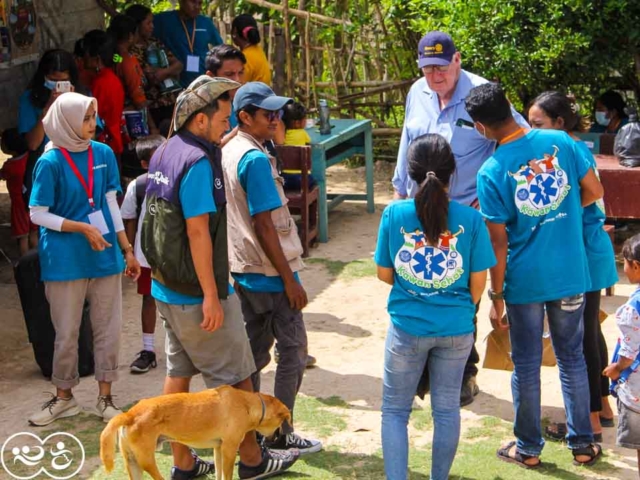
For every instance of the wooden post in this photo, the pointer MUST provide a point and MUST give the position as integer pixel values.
(279, 79)
(290, 89)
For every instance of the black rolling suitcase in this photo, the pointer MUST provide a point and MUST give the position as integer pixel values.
(38, 318)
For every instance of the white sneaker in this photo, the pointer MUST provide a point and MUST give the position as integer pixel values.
(106, 408)
(54, 409)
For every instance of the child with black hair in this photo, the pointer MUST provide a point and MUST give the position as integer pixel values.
(13, 170)
(294, 117)
(133, 211)
(623, 370)
(99, 49)
(245, 34)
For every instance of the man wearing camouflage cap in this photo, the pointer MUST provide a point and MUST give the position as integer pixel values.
(184, 238)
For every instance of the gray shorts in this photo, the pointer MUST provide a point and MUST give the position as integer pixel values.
(222, 357)
(628, 427)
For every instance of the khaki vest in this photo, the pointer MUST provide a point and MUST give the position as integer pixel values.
(245, 252)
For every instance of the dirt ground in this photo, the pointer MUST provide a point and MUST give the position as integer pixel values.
(346, 321)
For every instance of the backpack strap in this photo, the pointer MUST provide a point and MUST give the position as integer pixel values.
(141, 187)
(624, 375)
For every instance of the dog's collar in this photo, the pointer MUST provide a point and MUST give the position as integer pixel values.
(264, 409)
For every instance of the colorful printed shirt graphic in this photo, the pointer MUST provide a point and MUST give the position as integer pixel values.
(430, 295)
(532, 186)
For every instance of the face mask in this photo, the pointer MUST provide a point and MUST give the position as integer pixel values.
(601, 119)
(50, 84)
(482, 133)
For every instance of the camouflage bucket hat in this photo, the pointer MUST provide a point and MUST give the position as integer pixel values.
(202, 92)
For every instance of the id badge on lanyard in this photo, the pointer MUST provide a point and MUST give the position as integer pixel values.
(96, 217)
(193, 61)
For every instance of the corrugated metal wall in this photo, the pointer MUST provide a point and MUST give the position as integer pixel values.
(61, 23)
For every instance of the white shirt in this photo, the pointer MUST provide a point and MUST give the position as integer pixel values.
(129, 211)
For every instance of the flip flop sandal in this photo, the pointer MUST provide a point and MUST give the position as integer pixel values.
(556, 431)
(593, 451)
(518, 458)
(607, 422)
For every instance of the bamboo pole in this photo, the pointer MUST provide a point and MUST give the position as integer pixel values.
(288, 49)
(298, 13)
(359, 84)
(374, 91)
(307, 56)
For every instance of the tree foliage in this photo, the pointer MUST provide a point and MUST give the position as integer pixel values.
(583, 46)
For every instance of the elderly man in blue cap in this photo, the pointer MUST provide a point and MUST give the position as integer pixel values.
(265, 252)
(435, 104)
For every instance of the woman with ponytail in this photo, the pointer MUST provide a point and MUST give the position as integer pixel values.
(245, 34)
(435, 253)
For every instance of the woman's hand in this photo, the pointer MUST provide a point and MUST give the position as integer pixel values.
(95, 238)
(133, 266)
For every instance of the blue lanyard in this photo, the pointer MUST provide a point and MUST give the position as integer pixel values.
(624, 375)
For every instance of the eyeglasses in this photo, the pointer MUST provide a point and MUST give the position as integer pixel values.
(274, 114)
(435, 68)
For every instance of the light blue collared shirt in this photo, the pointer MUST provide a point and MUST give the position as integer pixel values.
(423, 115)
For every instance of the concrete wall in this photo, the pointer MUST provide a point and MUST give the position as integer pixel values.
(61, 23)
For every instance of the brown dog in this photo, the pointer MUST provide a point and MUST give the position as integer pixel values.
(217, 418)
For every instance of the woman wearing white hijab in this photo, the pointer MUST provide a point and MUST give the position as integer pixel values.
(75, 183)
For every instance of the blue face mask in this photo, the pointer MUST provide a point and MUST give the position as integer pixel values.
(601, 119)
(50, 84)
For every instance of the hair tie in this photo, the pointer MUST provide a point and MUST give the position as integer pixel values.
(426, 178)
(246, 30)
(117, 58)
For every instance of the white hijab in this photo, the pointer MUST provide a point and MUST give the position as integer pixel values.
(63, 122)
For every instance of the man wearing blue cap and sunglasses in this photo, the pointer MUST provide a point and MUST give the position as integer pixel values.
(265, 252)
(435, 104)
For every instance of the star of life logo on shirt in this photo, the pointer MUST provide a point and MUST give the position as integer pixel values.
(541, 185)
(429, 266)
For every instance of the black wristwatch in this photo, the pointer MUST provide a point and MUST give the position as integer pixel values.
(495, 295)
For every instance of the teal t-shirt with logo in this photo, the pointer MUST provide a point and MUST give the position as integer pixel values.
(430, 295)
(600, 255)
(532, 186)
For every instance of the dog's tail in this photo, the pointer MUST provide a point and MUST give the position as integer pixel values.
(108, 439)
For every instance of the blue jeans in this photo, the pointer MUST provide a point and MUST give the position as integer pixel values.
(567, 330)
(404, 360)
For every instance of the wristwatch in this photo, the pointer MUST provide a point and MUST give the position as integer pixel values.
(495, 295)
(126, 249)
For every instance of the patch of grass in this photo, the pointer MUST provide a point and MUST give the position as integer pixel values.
(421, 419)
(489, 427)
(364, 267)
(313, 413)
(334, 401)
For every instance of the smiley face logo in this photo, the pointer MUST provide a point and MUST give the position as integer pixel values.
(59, 456)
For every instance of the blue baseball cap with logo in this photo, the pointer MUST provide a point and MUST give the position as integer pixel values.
(435, 48)
(259, 95)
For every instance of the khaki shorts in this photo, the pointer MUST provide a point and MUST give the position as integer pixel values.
(222, 357)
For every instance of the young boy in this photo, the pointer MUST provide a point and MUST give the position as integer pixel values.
(133, 210)
(25, 232)
(624, 367)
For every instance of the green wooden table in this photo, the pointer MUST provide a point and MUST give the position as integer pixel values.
(347, 138)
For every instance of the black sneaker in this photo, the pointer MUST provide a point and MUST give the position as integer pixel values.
(143, 362)
(273, 463)
(201, 467)
(293, 441)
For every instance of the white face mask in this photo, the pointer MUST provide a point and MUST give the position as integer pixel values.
(601, 119)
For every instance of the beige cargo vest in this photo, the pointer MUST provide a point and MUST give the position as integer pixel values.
(245, 252)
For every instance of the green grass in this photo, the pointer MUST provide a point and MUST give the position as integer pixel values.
(475, 459)
(364, 267)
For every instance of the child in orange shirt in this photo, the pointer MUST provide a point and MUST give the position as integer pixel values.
(25, 232)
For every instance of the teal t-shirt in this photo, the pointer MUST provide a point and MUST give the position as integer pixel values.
(430, 296)
(196, 197)
(66, 256)
(532, 186)
(254, 174)
(600, 255)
